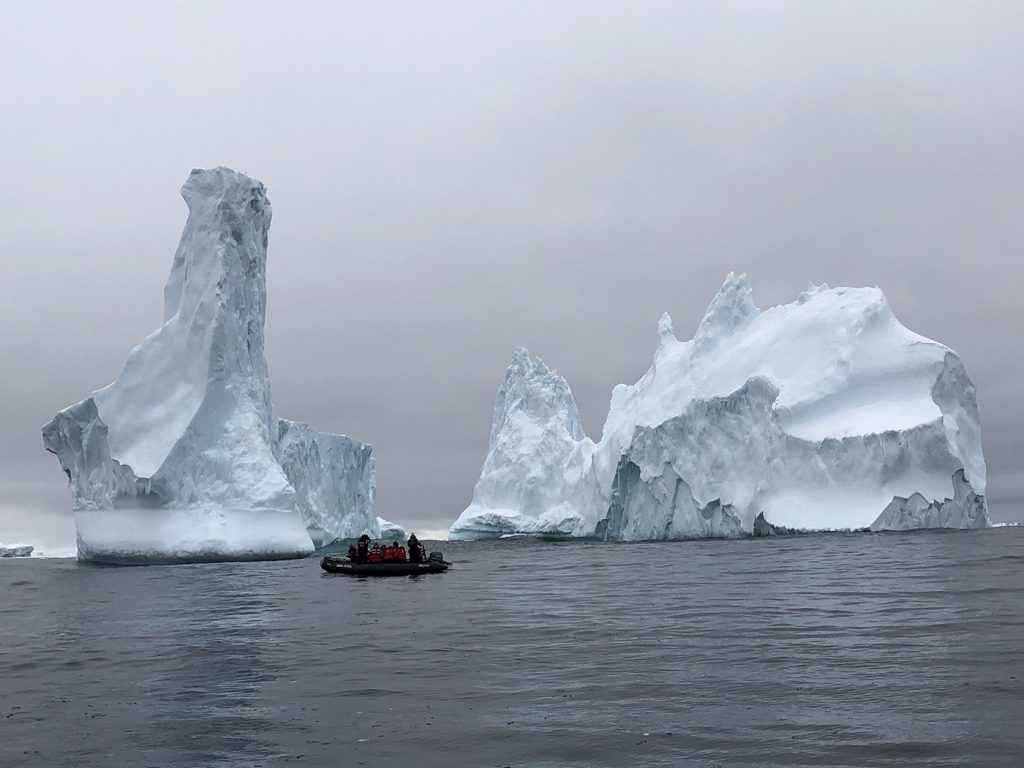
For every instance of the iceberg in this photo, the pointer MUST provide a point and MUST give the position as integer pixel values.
(538, 457)
(822, 414)
(183, 457)
(16, 550)
(392, 531)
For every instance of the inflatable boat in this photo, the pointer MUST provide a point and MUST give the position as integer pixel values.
(346, 566)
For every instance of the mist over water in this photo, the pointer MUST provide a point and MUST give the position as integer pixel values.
(825, 650)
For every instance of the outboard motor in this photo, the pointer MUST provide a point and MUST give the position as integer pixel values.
(436, 557)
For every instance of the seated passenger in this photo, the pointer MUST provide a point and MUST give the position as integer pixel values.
(401, 554)
(388, 553)
(353, 553)
(397, 552)
(375, 554)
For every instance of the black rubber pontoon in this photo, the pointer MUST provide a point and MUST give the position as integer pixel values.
(342, 565)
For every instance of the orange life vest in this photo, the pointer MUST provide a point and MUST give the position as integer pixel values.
(375, 554)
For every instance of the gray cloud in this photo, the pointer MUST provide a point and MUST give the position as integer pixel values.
(452, 180)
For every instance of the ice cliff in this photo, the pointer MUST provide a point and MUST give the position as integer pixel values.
(825, 413)
(183, 457)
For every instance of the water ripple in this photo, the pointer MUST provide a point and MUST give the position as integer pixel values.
(838, 650)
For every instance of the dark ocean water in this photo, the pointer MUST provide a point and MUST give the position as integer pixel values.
(832, 650)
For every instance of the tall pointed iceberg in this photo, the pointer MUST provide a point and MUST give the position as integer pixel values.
(825, 413)
(536, 461)
(183, 457)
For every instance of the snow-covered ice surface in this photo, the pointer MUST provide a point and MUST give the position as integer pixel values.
(183, 457)
(825, 413)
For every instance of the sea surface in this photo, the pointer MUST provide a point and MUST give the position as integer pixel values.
(826, 650)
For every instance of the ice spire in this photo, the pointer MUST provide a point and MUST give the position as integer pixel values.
(732, 307)
(531, 387)
(666, 335)
(536, 458)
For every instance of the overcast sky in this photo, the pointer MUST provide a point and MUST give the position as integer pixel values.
(451, 180)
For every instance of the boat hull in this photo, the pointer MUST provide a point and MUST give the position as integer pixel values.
(348, 568)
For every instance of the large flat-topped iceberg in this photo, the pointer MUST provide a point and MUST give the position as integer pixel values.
(183, 458)
(825, 413)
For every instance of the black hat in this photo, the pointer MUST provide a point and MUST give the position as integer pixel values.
(364, 537)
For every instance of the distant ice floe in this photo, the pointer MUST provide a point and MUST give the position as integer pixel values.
(16, 550)
(389, 530)
(11, 551)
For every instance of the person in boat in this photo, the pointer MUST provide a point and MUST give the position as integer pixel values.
(416, 552)
(363, 549)
(375, 556)
(388, 553)
(353, 553)
(399, 552)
